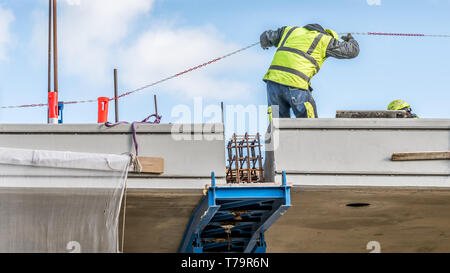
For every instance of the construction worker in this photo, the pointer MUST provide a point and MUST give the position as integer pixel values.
(402, 105)
(301, 52)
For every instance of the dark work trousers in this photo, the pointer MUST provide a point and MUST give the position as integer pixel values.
(287, 98)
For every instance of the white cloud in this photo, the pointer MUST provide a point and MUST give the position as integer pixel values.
(6, 18)
(98, 35)
(92, 30)
(373, 2)
(73, 2)
(163, 51)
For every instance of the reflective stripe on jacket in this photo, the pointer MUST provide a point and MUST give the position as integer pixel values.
(300, 55)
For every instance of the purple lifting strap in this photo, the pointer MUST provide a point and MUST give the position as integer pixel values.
(145, 121)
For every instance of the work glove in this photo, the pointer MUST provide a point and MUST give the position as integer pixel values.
(264, 40)
(347, 38)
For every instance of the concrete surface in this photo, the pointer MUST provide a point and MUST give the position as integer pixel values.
(357, 152)
(190, 151)
(330, 162)
(401, 220)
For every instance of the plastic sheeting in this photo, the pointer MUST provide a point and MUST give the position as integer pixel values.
(60, 202)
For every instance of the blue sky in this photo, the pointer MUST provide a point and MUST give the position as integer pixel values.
(148, 40)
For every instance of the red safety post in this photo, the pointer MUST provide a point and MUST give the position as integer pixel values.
(103, 109)
(52, 107)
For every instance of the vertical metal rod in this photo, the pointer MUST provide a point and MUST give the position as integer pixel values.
(221, 107)
(238, 172)
(156, 106)
(261, 174)
(230, 162)
(49, 53)
(253, 161)
(249, 174)
(49, 45)
(213, 179)
(223, 120)
(55, 46)
(116, 94)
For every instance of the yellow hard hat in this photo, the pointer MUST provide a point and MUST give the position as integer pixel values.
(398, 105)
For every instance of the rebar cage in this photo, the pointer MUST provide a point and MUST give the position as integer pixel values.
(244, 159)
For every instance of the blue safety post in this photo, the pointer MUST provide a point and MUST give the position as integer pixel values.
(197, 247)
(60, 111)
(213, 179)
(233, 218)
(287, 188)
(261, 246)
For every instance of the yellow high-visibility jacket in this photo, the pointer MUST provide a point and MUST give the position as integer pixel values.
(300, 55)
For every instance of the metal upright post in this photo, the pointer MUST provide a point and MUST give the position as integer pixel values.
(116, 102)
(221, 108)
(238, 172)
(49, 46)
(230, 162)
(55, 45)
(261, 175)
(156, 107)
(223, 120)
(249, 167)
(49, 53)
(53, 96)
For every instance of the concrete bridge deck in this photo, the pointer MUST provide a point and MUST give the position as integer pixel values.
(401, 220)
(409, 205)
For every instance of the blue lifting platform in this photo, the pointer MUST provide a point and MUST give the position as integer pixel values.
(232, 218)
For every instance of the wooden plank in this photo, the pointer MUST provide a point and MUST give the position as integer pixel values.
(152, 164)
(421, 156)
(370, 114)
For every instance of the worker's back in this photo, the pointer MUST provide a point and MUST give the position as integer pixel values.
(302, 51)
(300, 55)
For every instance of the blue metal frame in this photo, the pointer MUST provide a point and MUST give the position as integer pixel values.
(60, 112)
(234, 218)
(260, 245)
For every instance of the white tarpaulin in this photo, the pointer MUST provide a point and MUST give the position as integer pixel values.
(60, 201)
